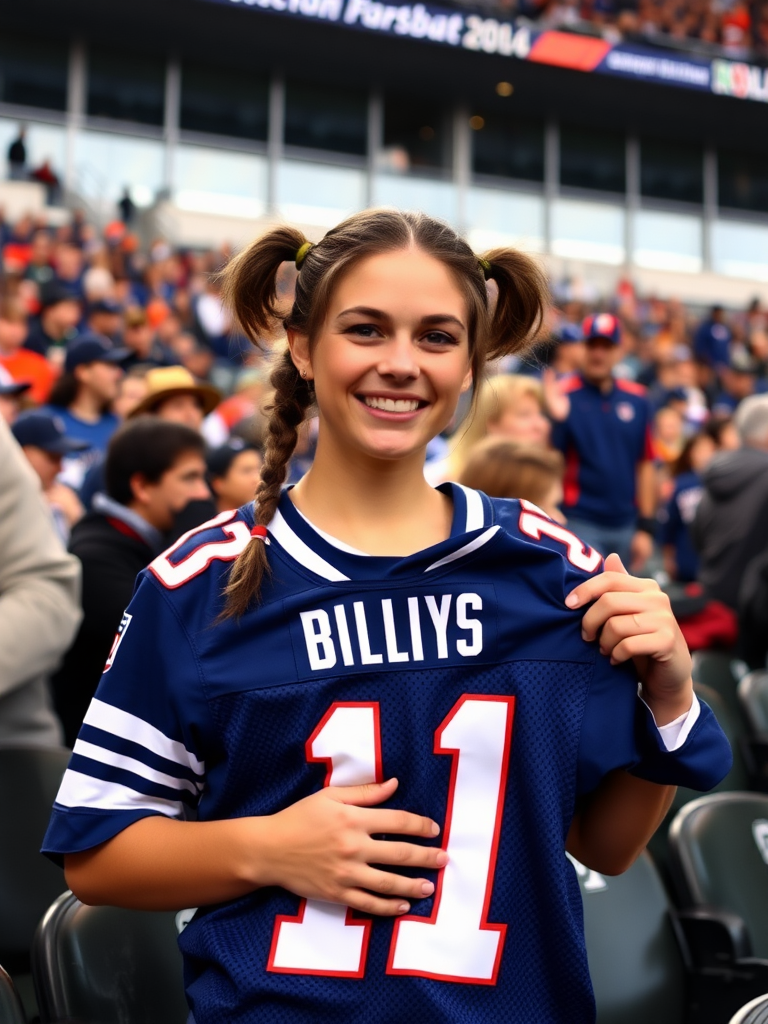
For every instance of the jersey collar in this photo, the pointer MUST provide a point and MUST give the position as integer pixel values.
(471, 528)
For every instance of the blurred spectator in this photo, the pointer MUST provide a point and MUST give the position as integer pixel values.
(244, 404)
(668, 436)
(127, 208)
(153, 469)
(39, 596)
(82, 397)
(39, 268)
(105, 317)
(680, 559)
(602, 427)
(17, 156)
(20, 362)
(131, 391)
(234, 471)
(175, 395)
(142, 343)
(11, 392)
(712, 340)
(738, 381)
(568, 355)
(45, 175)
(507, 405)
(57, 324)
(69, 265)
(730, 525)
(44, 441)
(503, 469)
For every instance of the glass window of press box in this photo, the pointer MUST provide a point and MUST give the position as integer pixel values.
(417, 135)
(33, 73)
(742, 180)
(671, 170)
(221, 102)
(126, 87)
(592, 159)
(320, 117)
(507, 148)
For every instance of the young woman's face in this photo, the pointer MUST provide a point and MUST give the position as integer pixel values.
(522, 421)
(391, 358)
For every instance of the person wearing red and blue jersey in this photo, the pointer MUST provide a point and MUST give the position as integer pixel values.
(602, 426)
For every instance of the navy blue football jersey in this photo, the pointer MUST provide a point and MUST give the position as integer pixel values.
(457, 669)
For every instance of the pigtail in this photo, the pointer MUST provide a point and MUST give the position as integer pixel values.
(249, 282)
(522, 301)
(292, 398)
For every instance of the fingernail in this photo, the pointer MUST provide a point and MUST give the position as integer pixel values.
(403, 908)
(435, 829)
(442, 859)
(572, 601)
(427, 888)
(584, 635)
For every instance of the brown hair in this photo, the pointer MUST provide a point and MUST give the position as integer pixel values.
(503, 469)
(250, 290)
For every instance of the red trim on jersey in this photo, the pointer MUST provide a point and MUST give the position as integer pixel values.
(571, 488)
(631, 387)
(649, 451)
(570, 383)
(125, 529)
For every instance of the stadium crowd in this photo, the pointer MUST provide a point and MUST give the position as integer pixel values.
(138, 407)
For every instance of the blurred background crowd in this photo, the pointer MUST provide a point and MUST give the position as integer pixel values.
(140, 410)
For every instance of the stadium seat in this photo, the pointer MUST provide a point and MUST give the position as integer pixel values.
(755, 1012)
(721, 672)
(11, 1010)
(719, 859)
(101, 965)
(29, 781)
(637, 967)
(753, 697)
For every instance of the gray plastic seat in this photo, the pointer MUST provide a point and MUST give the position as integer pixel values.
(11, 1010)
(103, 965)
(635, 958)
(753, 696)
(755, 1012)
(720, 671)
(718, 847)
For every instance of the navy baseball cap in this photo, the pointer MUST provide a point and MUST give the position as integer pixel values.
(46, 431)
(602, 325)
(93, 348)
(104, 305)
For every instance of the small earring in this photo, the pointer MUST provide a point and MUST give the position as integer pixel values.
(304, 374)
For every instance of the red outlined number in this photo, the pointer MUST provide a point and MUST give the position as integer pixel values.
(536, 524)
(456, 943)
(238, 537)
(324, 938)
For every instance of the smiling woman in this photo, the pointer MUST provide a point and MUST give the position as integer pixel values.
(363, 639)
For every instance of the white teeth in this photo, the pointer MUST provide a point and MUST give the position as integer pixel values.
(391, 404)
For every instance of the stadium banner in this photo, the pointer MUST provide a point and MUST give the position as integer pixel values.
(523, 41)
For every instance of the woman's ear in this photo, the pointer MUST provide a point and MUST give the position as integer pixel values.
(466, 384)
(298, 345)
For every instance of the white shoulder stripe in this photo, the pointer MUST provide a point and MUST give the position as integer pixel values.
(475, 510)
(466, 550)
(126, 726)
(301, 552)
(79, 790)
(130, 764)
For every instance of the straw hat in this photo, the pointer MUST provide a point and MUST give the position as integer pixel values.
(166, 381)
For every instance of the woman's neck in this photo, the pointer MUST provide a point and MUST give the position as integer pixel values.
(377, 506)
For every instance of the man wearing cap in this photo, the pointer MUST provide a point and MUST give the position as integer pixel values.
(21, 363)
(104, 316)
(144, 346)
(173, 394)
(10, 396)
(44, 441)
(81, 398)
(602, 426)
(56, 325)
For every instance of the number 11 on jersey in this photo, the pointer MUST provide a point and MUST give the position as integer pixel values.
(456, 943)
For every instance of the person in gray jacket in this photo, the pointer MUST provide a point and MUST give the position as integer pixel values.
(731, 524)
(39, 603)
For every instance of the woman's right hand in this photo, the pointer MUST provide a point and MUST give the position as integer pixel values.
(322, 848)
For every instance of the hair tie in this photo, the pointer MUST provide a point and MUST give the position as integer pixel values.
(485, 266)
(301, 254)
(260, 533)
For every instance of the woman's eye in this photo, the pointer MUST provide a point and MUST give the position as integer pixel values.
(439, 338)
(365, 330)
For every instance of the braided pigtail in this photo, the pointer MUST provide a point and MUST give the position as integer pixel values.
(292, 398)
(249, 282)
(522, 302)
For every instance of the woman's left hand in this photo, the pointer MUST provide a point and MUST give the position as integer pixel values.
(632, 618)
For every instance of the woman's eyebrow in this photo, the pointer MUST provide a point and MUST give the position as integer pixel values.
(378, 314)
(443, 318)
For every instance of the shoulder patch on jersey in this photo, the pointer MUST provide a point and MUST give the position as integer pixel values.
(631, 387)
(220, 539)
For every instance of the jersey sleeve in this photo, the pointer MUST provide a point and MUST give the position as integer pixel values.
(139, 751)
(619, 731)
